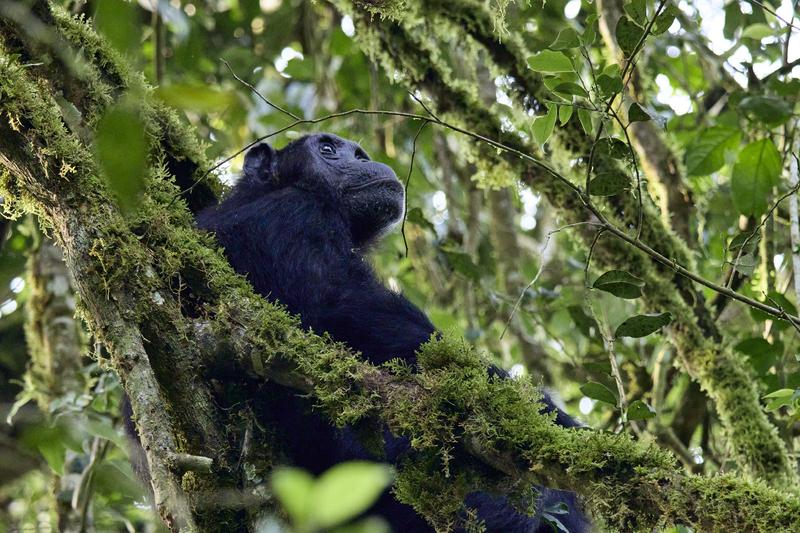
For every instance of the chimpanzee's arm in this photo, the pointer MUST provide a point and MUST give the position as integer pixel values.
(374, 321)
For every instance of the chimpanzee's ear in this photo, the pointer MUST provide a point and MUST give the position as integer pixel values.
(259, 162)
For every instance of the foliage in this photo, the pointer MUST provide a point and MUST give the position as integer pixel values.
(336, 497)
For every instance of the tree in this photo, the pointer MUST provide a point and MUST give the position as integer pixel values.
(112, 174)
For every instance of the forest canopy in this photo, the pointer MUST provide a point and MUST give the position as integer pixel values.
(601, 199)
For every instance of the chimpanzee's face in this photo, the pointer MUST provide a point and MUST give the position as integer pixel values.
(372, 195)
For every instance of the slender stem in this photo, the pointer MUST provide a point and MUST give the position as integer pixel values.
(257, 93)
(612, 358)
(408, 180)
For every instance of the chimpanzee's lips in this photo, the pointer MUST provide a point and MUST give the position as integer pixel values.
(380, 181)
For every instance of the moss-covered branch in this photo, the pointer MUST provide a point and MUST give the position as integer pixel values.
(403, 43)
(630, 485)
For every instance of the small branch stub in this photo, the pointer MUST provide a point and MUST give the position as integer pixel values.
(180, 463)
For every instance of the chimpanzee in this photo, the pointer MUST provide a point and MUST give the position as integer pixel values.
(297, 225)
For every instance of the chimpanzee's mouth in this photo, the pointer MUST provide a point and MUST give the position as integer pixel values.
(380, 181)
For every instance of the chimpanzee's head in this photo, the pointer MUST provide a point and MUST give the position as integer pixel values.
(370, 192)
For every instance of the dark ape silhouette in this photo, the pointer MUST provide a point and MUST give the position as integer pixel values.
(297, 225)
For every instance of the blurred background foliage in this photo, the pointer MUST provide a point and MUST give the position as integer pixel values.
(717, 82)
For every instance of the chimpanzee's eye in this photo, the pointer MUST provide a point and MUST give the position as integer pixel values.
(327, 149)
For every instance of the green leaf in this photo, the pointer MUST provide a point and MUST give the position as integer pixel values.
(733, 19)
(628, 35)
(567, 38)
(293, 487)
(103, 428)
(122, 153)
(767, 109)
(598, 367)
(590, 33)
(746, 263)
(598, 391)
(565, 113)
(788, 88)
(781, 393)
(115, 20)
(191, 97)
(572, 89)
(642, 325)
(415, 216)
(301, 69)
(609, 85)
(638, 410)
(585, 118)
(346, 490)
(754, 175)
(747, 241)
(706, 153)
(781, 398)
(542, 126)
(637, 113)
(665, 19)
(550, 61)
(609, 184)
(761, 353)
(461, 262)
(54, 453)
(620, 284)
(613, 70)
(637, 11)
(613, 148)
(584, 322)
(758, 31)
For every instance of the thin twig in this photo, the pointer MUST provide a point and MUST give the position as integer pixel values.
(766, 217)
(425, 107)
(783, 311)
(773, 13)
(639, 197)
(626, 69)
(612, 359)
(589, 257)
(408, 180)
(538, 271)
(500, 146)
(257, 93)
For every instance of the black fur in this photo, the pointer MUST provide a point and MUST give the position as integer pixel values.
(297, 225)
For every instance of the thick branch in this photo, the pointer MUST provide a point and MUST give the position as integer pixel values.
(633, 486)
